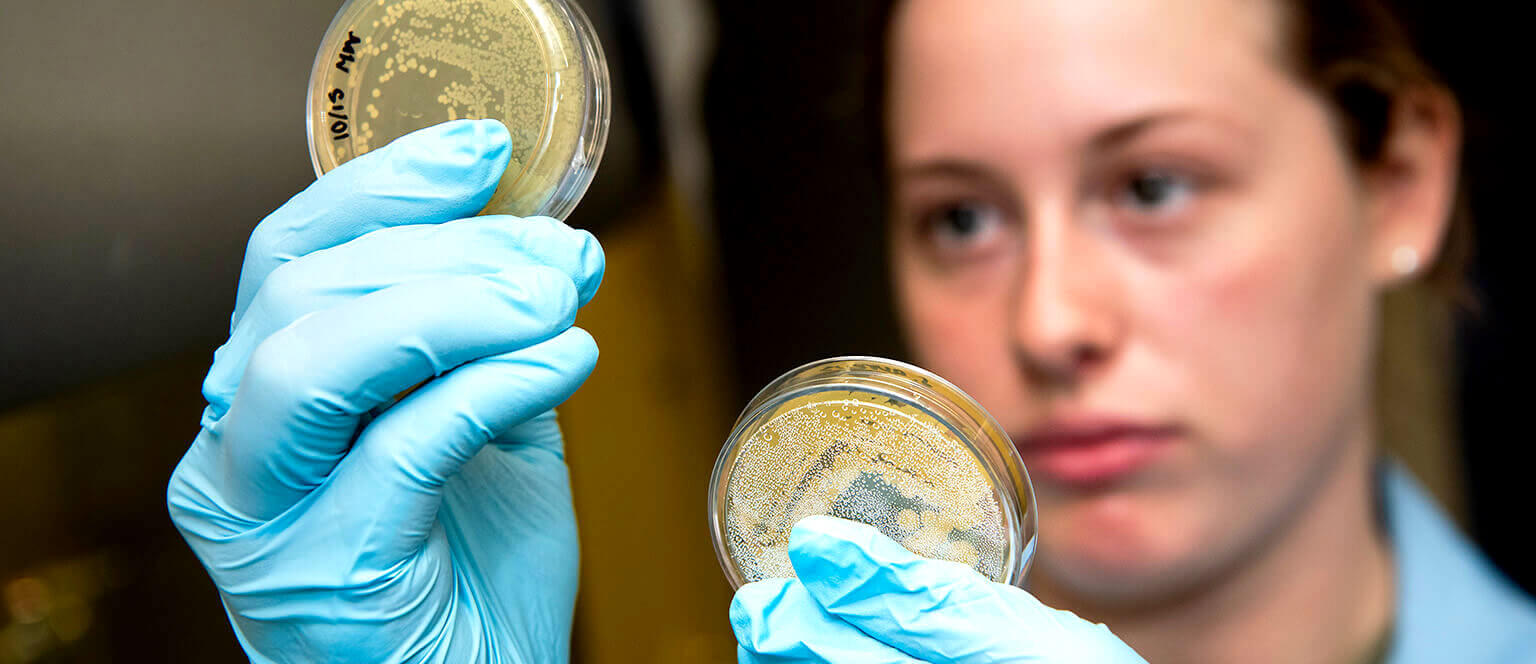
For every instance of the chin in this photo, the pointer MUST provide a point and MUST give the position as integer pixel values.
(1119, 552)
(1113, 582)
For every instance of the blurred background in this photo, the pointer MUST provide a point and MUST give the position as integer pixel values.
(140, 143)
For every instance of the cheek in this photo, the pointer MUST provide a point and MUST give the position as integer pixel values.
(1264, 342)
(956, 325)
(1259, 350)
(1276, 330)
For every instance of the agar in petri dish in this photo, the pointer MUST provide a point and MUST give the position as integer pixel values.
(880, 442)
(386, 68)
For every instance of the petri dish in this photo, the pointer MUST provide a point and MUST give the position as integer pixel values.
(386, 68)
(877, 441)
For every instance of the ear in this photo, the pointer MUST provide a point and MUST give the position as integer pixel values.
(1412, 188)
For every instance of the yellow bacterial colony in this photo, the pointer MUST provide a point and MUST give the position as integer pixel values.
(868, 458)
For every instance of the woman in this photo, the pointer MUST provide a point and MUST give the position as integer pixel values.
(1148, 236)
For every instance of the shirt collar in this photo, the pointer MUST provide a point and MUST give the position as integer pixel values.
(1452, 604)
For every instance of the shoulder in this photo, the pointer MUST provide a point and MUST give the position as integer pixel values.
(1452, 604)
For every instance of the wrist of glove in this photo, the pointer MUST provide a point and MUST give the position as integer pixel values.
(861, 597)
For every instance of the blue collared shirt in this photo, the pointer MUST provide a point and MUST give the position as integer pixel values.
(1453, 606)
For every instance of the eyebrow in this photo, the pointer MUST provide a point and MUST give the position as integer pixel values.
(1105, 140)
(955, 169)
(1125, 132)
(973, 173)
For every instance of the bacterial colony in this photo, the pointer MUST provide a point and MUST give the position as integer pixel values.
(394, 66)
(865, 458)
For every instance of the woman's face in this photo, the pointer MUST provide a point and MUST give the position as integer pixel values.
(1127, 230)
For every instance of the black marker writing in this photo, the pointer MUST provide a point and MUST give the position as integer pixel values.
(339, 126)
(347, 55)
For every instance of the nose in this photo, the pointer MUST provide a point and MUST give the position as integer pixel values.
(1065, 322)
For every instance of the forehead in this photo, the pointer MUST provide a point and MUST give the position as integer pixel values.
(1064, 67)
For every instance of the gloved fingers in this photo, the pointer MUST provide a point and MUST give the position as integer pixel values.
(541, 432)
(302, 395)
(391, 256)
(510, 509)
(429, 176)
(777, 621)
(396, 473)
(932, 609)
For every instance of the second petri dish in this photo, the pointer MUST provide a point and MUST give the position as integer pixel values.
(876, 441)
(389, 67)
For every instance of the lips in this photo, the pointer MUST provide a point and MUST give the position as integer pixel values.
(1088, 451)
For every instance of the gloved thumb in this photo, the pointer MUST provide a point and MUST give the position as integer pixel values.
(428, 176)
(937, 610)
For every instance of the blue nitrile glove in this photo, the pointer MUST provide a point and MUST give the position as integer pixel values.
(440, 530)
(862, 598)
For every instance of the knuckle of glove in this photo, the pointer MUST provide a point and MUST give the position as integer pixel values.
(269, 240)
(549, 241)
(750, 607)
(283, 370)
(543, 293)
(282, 292)
(181, 498)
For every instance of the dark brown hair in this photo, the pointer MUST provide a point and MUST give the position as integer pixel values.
(1361, 58)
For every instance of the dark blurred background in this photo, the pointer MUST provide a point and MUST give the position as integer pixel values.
(141, 142)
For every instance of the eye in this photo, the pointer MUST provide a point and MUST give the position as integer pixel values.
(965, 226)
(1155, 192)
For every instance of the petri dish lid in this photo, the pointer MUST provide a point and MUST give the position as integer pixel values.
(386, 68)
(877, 441)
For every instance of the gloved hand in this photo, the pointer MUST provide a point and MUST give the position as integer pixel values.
(861, 597)
(440, 529)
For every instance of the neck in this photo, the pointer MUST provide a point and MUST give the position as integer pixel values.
(1321, 592)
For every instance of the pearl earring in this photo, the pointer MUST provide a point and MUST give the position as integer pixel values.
(1405, 260)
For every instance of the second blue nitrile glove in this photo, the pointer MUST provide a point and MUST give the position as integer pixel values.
(861, 597)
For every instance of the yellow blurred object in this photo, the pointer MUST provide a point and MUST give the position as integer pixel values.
(50, 607)
(641, 437)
